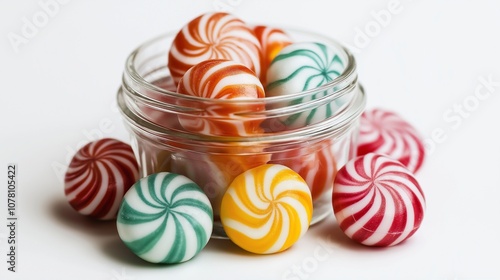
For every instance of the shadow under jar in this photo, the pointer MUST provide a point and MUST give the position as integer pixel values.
(316, 150)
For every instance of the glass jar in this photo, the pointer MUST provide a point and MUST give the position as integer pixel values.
(316, 150)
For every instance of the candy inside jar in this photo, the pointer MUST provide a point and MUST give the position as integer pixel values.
(316, 150)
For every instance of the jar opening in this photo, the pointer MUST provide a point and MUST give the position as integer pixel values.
(157, 78)
(150, 104)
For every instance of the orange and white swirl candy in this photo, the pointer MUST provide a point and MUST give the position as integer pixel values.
(222, 79)
(266, 209)
(213, 36)
(272, 40)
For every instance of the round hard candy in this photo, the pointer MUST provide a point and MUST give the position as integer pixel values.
(305, 66)
(165, 218)
(222, 80)
(266, 209)
(213, 36)
(377, 201)
(316, 164)
(385, 132)
(272, 40)
(98, 176)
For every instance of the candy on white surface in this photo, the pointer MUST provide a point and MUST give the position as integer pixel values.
(98, 176)
(266, 209)
(165, 218)
(377, 201)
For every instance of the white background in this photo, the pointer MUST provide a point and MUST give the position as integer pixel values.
(58, 89)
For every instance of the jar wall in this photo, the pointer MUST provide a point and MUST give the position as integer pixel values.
(316, 161)
(315, 150)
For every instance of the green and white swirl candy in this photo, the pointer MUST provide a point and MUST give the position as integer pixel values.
(165, 218)
(304, 66)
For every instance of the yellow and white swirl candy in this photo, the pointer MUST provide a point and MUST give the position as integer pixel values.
(266, 209)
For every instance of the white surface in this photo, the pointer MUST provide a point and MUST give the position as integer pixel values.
(58, 92)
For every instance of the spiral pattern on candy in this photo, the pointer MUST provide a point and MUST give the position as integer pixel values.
(272, 40)
(305, 66)
(213, 36)
(266, 209)
(98, 176)
(222, 79)
(385, 132)
(377, 201)
(165, 218)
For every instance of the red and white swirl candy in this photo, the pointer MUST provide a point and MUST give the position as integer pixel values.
(222, 80)
(385, 132)
(213, 36)
(377, 201)
(98, 177)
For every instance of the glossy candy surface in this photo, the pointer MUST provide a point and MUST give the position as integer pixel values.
(300, 67)
(221, 80)
(377, 201)
(385, 132)
(98, 176)
(165, 218)
(266, 209)
(213, 36)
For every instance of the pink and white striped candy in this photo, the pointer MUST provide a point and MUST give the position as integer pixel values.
(385, 132)
(98, 177)
(377, 201)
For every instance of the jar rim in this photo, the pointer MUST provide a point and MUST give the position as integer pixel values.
(136, 90)
(346, 77)
(332, 126)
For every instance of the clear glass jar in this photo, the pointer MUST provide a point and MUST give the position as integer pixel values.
(152, 110)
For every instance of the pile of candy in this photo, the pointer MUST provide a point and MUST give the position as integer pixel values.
(267, 206)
